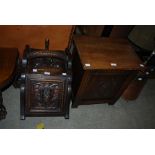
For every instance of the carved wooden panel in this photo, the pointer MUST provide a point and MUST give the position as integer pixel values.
(44, 95)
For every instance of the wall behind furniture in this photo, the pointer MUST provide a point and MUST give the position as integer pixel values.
(121, 31)
(34, 35)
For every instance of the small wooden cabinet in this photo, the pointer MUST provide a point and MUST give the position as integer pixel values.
(45, 83)
(102, 69)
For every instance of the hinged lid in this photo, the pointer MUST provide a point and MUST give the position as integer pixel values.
(106, 53)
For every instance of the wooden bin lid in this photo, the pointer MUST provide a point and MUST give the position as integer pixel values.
(106, 53)
(34, 35)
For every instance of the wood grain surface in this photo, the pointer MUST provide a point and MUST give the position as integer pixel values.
(100, 53)
(34, 35)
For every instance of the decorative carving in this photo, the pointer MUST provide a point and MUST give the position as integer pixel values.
(45, 84)
(46, 95)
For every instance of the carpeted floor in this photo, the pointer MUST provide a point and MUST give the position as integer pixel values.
(123, 115)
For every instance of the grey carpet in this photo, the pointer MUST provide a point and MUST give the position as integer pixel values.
(123, 115)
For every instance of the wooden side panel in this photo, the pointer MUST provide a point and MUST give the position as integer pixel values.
(34, 35)
(77, 73)
(103, 86)
(134, 89)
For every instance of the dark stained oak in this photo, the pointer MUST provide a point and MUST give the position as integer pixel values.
(45, 83)
(134, 89)
(95, 80)
(136, 86)
(8, 63)
(46, 77)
